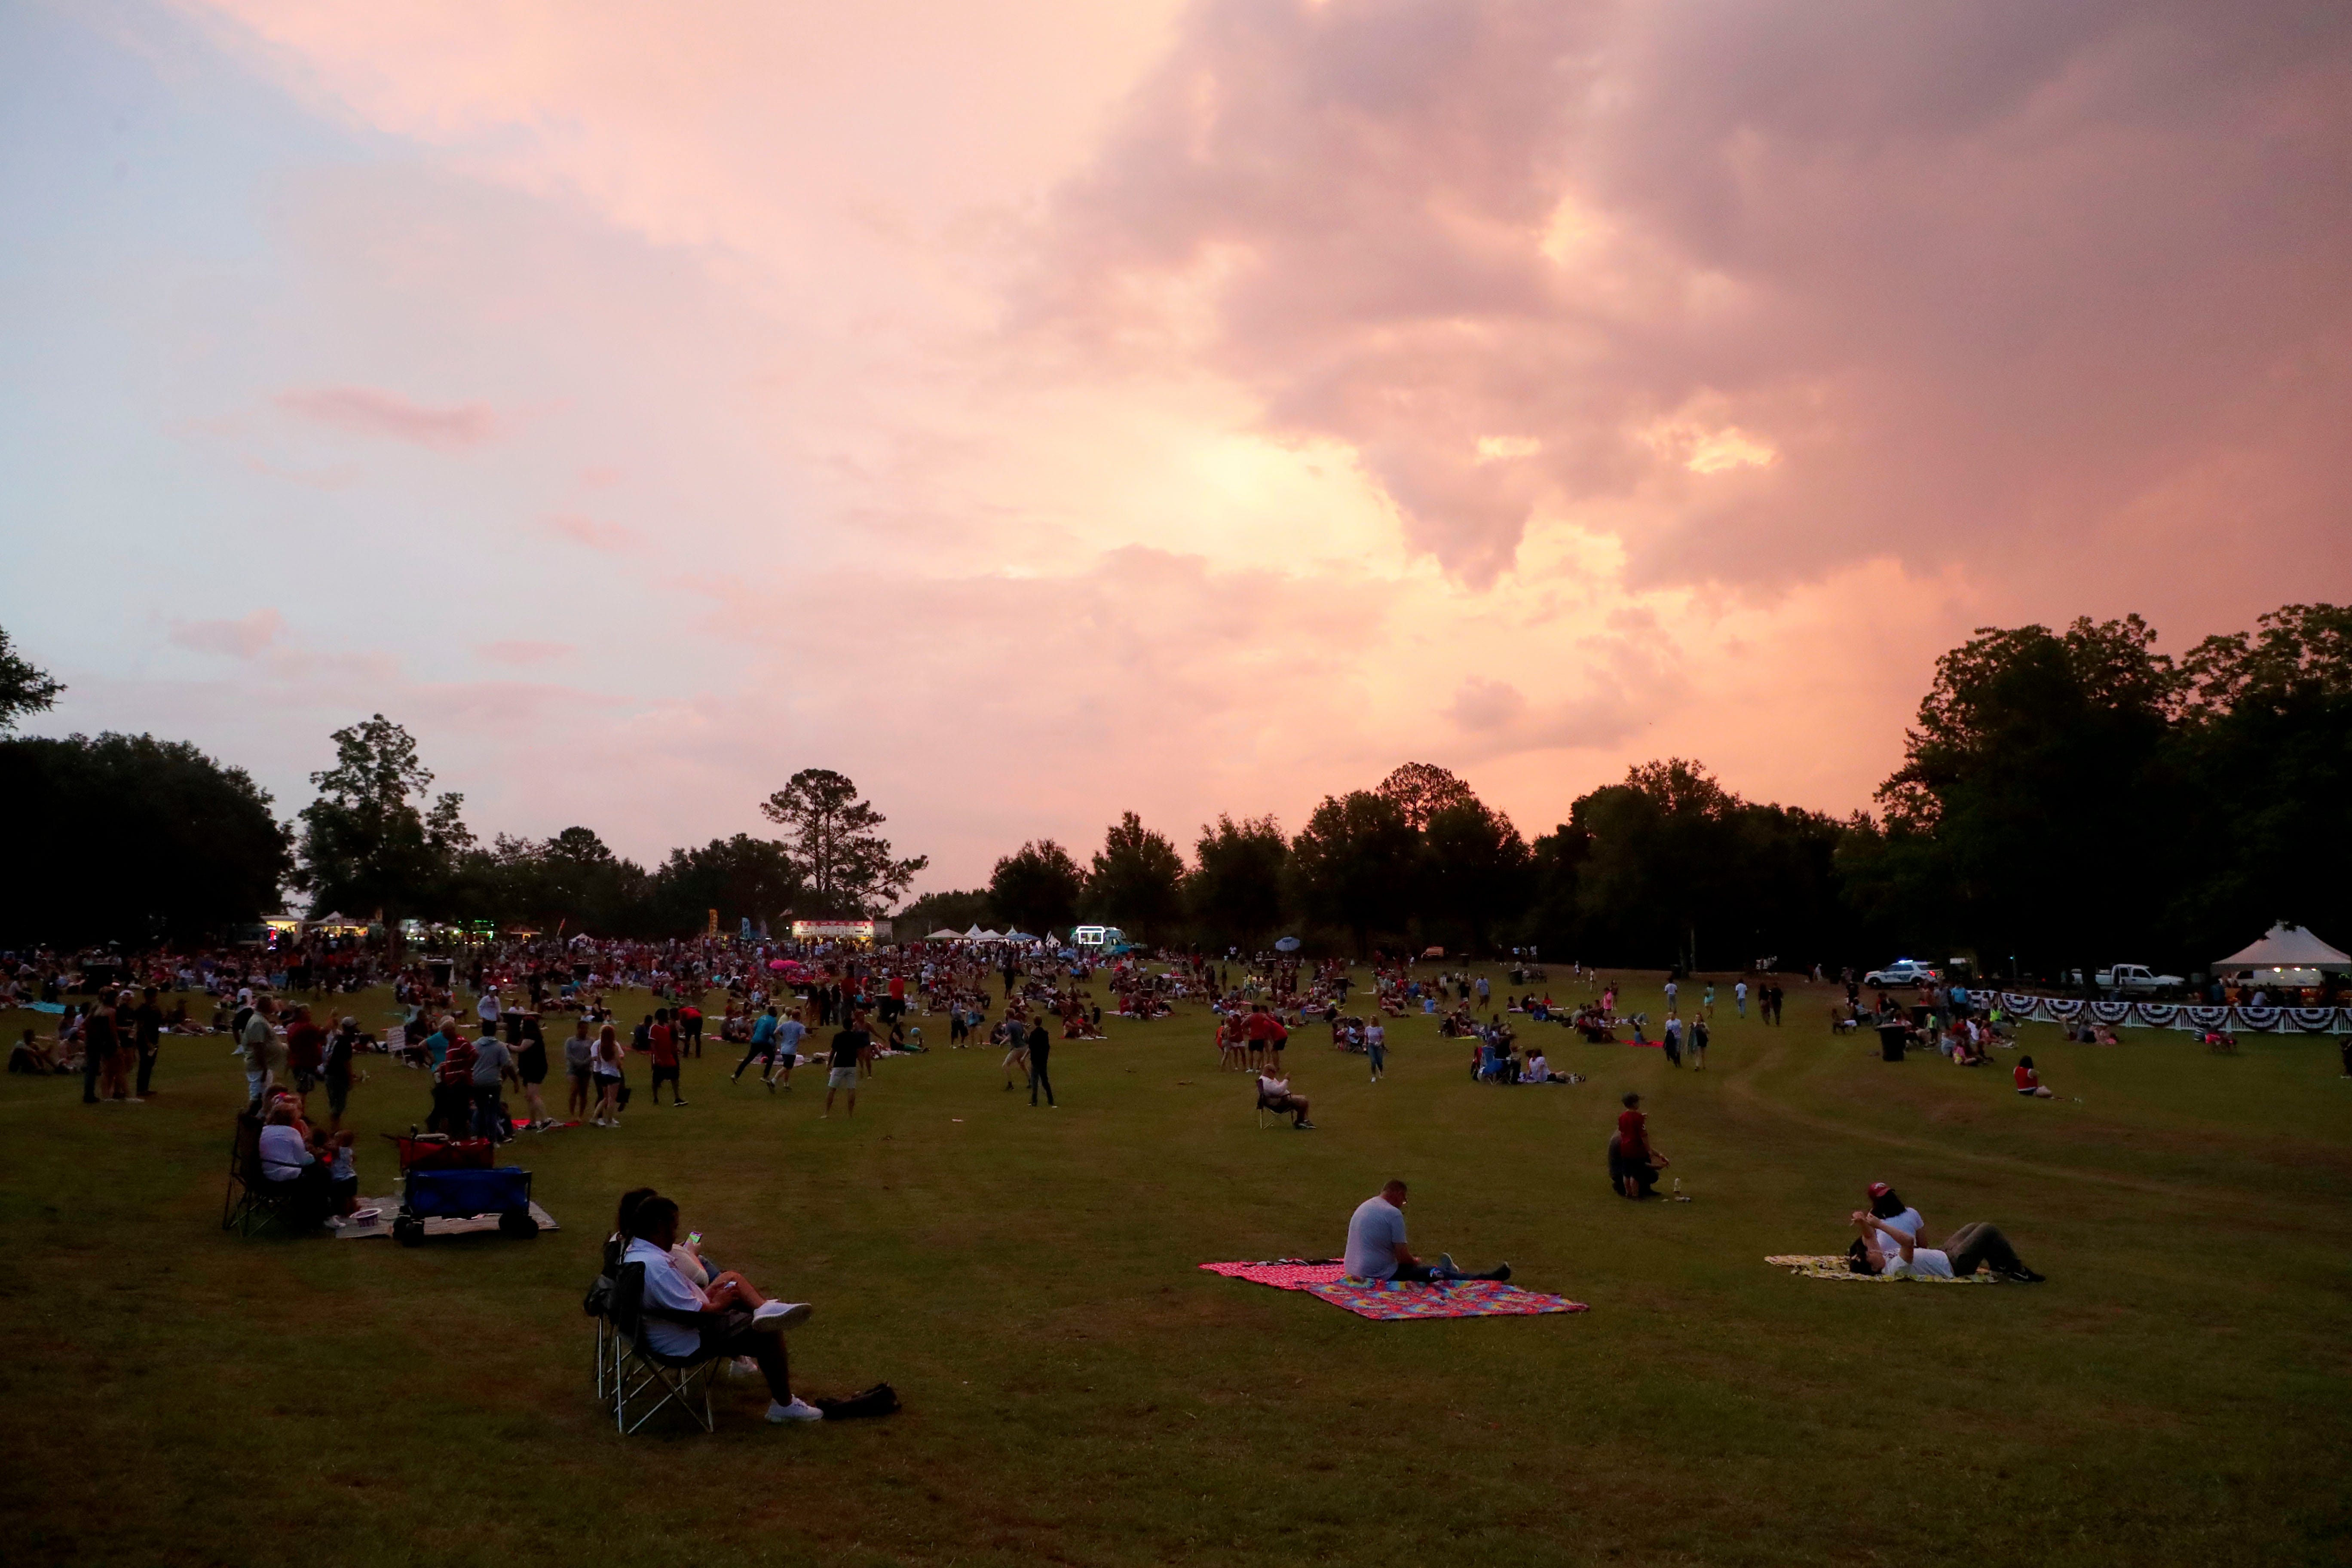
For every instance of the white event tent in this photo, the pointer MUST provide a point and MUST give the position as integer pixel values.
(2287, 955)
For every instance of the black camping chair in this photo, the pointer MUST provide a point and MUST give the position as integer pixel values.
(639, 1371)
(254, 1203)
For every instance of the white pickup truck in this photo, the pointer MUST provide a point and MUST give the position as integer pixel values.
(2135, 980)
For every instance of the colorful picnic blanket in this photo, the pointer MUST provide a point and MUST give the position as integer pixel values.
(1831, 1265)
(1388, 1301)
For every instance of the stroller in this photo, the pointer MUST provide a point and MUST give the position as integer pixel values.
(445, 1178)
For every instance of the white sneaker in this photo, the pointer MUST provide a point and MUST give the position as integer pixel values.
(781, 1314)
(798, 1410)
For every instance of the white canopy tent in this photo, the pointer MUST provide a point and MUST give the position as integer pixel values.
(2289, 947)
(943, 934)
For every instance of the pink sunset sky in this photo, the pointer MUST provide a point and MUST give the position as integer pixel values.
(1038, 410)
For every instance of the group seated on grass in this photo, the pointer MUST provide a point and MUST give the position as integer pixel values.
(312, 1171)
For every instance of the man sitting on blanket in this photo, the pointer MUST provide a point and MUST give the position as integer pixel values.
(1376, 1248)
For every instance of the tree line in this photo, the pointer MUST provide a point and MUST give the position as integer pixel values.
(2066, 799)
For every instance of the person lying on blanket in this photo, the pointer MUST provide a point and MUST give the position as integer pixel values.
(1884, 1249)
(1376, 1248)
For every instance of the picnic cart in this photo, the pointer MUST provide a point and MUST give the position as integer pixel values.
(445, 1178)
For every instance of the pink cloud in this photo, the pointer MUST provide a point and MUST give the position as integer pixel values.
(587, 531)
(519, 651)
(241, 639)
(1763, 288)
(1482, 705)
(364, 411)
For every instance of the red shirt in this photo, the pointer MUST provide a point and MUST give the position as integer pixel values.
(2026, 1078)
(1632, 1134)
(304, 1045)
(665, 1046)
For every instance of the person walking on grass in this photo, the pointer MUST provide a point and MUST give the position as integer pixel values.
(1041, 1049)
(662, 1040)
(789, 1030)
(1698, 1045)
(849, 1047)
(762, 1047)
(1375, 1048)
(1016, 1048)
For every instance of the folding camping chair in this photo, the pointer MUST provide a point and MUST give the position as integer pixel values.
(598, 1304)
(252, 1203)
(638, 1370)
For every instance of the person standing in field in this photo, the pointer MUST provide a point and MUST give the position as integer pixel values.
(849, 1047)
(1376, 1047)
(1739, 997)
(1698, 1044)
(147, 1036)
(579, 1066)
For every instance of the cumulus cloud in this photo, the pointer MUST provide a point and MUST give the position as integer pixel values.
(1992, 278)
(523, 651)
(365, 411)
(242, 638)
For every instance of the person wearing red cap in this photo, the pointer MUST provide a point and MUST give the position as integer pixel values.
(1887, 1205)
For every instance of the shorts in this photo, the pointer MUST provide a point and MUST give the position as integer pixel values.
(663, 1075)
(580, 1073)
(841, 1078)
(339, 1092)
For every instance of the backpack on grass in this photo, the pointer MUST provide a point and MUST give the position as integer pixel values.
(879, 1400)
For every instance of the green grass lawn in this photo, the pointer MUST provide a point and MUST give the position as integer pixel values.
(1076, 1390)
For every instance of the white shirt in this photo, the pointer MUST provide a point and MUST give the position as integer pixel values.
(665, 1287)
(1908, 1221)
(1374, 1231)
(1925, 1263)
(1272, 1088)
(1375, 1036)
(282, 1154)
(1538, 1069)
(489, 1007)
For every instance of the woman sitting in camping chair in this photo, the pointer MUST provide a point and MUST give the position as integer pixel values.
(727, 1318)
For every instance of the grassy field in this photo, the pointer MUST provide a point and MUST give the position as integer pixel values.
(1077, 1392)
